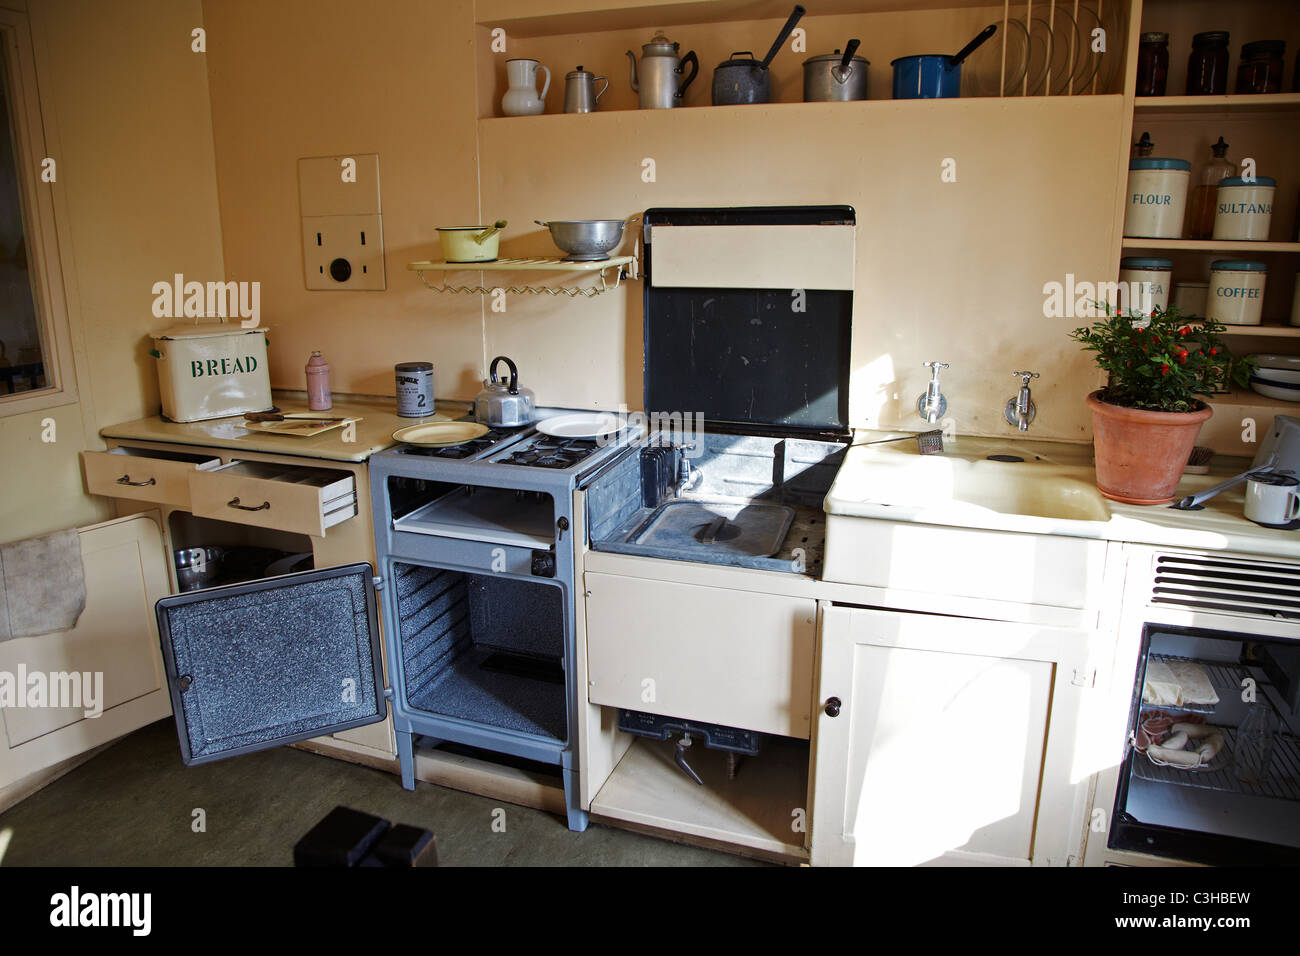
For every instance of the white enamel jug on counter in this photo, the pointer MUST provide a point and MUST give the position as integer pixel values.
(522, 98)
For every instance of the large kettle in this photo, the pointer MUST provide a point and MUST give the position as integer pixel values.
(503, 403)
(658, 84)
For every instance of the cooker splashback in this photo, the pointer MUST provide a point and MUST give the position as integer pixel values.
(752, 358)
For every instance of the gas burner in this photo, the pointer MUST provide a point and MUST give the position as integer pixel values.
(544, 451)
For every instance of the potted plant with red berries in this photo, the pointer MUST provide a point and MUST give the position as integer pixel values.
(1145, 421)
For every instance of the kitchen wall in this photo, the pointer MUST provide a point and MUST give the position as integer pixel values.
(125, 106)
(946, 271)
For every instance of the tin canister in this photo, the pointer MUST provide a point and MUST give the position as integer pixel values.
(1236, 294)
(1157, 197)
(1152, 278)
(414, 389)
(1189, 297)
(1244, 208)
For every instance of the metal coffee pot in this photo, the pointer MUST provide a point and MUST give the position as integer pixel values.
(580, 93)
(658, 82)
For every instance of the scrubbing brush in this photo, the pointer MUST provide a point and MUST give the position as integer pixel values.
(927, 443)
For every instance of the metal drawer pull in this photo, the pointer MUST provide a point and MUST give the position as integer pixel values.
(234, 503)
(126, 480)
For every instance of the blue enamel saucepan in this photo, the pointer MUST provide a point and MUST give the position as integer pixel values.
(934, 76)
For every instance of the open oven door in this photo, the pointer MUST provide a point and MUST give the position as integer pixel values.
(269, 662)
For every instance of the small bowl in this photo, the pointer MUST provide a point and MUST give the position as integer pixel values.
(586, 240)
(1278, 368)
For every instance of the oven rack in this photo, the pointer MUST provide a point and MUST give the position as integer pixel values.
(1282, 782)
(1224, 678)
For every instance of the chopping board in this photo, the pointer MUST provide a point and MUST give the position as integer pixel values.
(305, 428)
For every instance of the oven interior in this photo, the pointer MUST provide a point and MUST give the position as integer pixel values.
(1242, 806)
(483, 647)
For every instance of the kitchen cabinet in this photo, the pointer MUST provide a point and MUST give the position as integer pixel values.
(945, 740)
(116, 636)
(214, 496)
(740, 659)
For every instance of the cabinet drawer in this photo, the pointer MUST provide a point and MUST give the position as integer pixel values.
(268, 495)
(143, 474)
(739, 658)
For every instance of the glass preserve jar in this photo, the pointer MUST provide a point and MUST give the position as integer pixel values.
(1207, 67)
(1153, 64)
(1261, 68)
(1201, 205)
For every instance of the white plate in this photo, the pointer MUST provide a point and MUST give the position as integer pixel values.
(582, 425)
(1279, 390)
(440, 434)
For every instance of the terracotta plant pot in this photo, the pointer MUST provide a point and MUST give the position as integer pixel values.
(1141, 454)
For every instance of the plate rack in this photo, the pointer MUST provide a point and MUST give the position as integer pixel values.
(600, 270)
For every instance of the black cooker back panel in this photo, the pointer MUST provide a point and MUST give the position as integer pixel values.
(743, 357)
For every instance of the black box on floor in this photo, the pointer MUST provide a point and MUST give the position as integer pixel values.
(343, 838)
(405, 845)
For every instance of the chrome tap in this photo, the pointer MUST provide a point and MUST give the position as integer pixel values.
(688, 476)
(932, 405)
(1020, 409)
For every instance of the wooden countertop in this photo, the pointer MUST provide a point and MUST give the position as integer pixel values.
(373, 433)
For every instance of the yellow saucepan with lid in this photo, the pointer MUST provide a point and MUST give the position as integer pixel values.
(470, 243)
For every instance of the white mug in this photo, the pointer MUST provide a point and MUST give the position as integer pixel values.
(1272, 499)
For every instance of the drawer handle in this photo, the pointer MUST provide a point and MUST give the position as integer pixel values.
(126, 480)
(234, 503)
(833, 707)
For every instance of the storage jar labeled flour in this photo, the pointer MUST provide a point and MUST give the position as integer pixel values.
(1157, 197)
(1148, 280)
(1236, 293)
(212, 370)
(1244, 208)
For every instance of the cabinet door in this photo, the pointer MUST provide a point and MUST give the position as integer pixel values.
(940, 751)
(719, 656)
(256, 665)
(112, 651)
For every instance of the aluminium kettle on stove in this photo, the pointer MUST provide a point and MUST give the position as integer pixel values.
(503, 403)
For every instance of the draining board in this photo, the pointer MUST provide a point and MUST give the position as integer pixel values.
(722, 527)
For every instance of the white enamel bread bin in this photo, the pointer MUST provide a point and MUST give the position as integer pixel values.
(212, 370)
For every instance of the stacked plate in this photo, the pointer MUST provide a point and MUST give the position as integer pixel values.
(1277, 376)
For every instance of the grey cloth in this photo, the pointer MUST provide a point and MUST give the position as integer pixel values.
(42, 585)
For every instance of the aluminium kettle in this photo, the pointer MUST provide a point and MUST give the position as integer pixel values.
(501, 403)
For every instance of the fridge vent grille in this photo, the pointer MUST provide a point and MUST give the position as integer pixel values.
(1256, 588)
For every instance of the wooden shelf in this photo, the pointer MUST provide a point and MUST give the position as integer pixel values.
(540, 18)
(1232, 103)
(1226, 246)
(1247, 397)
(755, 810)
(1265, 331)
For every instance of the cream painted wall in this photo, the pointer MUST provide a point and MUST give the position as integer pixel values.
(125, 106)
(945, 271)
(295, 78)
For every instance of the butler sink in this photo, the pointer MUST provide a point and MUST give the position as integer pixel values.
(974, 482)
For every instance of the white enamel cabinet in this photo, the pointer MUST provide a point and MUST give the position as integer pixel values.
(945, 740)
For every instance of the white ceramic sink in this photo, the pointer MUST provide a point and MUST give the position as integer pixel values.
(962, 486)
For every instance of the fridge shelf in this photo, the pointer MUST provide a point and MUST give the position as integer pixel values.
(601, 270)
(1282, 782)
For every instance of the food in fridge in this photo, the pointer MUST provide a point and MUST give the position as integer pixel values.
(1171, 683)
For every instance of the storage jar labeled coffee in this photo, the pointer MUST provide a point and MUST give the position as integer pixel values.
(1236, 293)
(1157, 197)
(1244, 208)
(414, 389)
(1149, 280)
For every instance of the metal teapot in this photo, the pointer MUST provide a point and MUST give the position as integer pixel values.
(503, 403)
(659, 85)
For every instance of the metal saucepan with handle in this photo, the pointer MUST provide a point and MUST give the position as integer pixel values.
(835, 77)
(471, 243)
(934, 75)
(742, 79)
